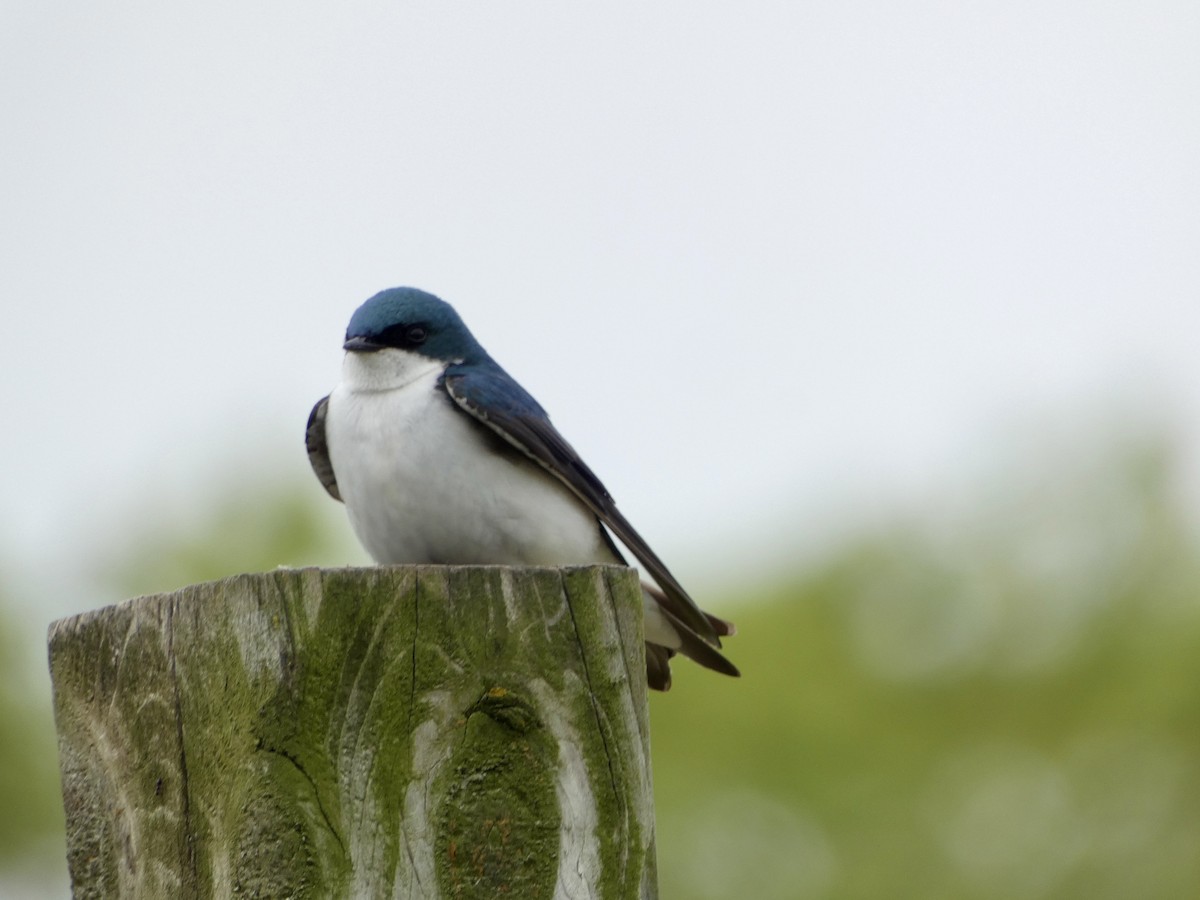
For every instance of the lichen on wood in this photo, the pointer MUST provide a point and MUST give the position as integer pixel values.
(419, 732)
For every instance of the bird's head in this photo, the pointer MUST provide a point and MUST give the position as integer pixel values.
(402, 333)
(412, 321)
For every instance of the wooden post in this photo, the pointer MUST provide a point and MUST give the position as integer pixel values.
(415, 731)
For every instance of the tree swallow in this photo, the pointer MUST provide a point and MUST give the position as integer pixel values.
(441, 457)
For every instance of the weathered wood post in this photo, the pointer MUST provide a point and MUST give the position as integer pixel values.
(416, 732)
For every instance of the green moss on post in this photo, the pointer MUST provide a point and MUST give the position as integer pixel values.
(417, 732)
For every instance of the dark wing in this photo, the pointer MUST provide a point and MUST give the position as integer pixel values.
(492, 397)
(318, 450)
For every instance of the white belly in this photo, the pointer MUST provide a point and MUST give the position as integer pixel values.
(422, 483)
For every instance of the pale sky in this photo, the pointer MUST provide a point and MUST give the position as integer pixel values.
(761, 262)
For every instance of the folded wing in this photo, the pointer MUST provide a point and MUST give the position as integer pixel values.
(493, 398)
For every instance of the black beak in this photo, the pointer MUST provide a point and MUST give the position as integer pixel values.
(361, 345)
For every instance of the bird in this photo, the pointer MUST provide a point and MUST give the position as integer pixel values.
(441, 457)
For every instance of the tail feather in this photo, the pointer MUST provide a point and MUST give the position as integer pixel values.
(658, 667)
(723, 627)
(691, 645)
(698, 650)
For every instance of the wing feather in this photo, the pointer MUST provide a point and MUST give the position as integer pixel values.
(493, 398)
(318, 449)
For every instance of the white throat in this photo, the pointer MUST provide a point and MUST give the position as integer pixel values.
(386, 369)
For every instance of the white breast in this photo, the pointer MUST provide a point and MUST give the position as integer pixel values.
(423, 483)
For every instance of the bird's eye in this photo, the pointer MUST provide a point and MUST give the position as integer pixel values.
(415, 334)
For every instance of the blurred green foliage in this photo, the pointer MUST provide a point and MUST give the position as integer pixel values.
(996, 698)
(30, 809)
(1006, 705)
(256, 524)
